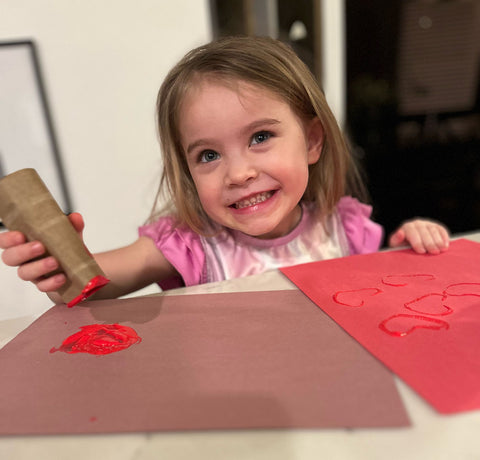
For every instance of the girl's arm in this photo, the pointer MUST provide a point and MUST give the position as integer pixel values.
(129, 268)
(132, 267)
(422, 235)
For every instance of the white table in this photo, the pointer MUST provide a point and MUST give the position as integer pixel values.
(431, 436)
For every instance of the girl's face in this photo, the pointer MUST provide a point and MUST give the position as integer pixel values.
(248, 154)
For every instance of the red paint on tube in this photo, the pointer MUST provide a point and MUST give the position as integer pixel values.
(92, 286)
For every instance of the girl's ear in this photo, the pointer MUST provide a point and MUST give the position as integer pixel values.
(315, 138)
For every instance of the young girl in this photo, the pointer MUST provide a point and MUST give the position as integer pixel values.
(256, 176)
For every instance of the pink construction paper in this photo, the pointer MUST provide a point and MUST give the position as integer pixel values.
(213, 361)
(419, 314)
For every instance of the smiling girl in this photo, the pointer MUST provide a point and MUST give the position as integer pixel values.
(256, 176)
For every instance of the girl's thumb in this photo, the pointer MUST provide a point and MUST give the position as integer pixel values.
(397, 238)
(77, 221)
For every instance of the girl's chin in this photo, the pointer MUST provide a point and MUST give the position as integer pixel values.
(267, 232)
(277, 229)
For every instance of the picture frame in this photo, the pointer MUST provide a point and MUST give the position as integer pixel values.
(27, 135)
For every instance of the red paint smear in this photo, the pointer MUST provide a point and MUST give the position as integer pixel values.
(412, 322)
(355, 297)
(99, 339)
(427, 305)
(401, 280)
(92, 286)
(462, 289)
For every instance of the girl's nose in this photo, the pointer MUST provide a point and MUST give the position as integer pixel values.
(240, 170)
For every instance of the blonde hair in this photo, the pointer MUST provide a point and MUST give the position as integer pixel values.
(269, 64)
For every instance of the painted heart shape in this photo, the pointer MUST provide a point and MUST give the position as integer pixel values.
(460, 289)
(355, 297)
(401, 325)
(403, 280)
(430, 304)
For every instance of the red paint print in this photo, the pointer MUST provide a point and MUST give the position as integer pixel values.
(99, 339)
(402, 280)
(401, 325)
(461, 289)
(355, 297)
(430, 304)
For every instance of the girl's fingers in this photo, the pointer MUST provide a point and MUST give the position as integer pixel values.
(438, 241)
(426, 236)
(38, 269)
(10, 239)
(433, 238)
(27, 256)
(51, 284)
(22, 253)
(414, 237)
(445, 237)
(429, 241)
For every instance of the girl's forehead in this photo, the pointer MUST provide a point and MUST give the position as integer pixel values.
(243, 88)
(208, 94)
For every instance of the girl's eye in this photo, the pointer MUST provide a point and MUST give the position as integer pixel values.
(208, 155)
(260, 137)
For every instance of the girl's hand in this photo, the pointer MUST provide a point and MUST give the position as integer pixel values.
(424, 236)
(29, 257)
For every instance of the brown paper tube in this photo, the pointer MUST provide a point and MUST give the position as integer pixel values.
(26, 205)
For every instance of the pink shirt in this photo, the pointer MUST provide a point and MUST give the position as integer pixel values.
(232, 254)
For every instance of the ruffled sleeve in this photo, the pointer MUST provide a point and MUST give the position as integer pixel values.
(363, 235)
(181, 247)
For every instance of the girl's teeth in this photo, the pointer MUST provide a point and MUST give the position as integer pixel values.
(253, 200)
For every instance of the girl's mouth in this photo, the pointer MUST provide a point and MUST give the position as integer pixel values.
(253, 200)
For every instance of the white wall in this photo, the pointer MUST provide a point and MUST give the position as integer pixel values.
(334, 56)
(102, 63)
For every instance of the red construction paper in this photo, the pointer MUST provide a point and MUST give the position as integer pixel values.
(213, 361)
(419, 314)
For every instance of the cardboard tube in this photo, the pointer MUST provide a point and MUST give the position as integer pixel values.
(26, 205)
